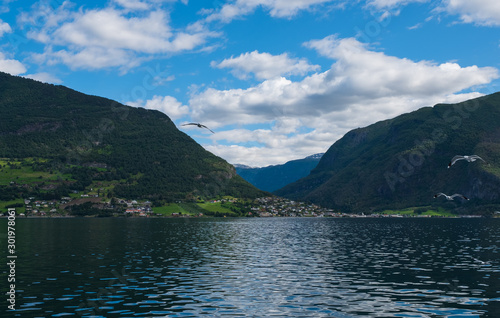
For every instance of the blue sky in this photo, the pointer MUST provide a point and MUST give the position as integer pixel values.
(275, 79)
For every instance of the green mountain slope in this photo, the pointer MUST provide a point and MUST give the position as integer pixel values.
(87, 138)
(274, 177)
(402, 162)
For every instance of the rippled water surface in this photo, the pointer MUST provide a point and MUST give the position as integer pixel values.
(289, 267)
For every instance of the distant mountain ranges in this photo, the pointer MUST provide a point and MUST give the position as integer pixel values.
(274, 177)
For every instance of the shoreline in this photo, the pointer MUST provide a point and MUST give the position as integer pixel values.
(354, 216)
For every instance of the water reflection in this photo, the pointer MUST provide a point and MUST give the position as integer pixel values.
(258, 267)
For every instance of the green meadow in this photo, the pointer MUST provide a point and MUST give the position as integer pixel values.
(169, 209)
(21, 172)
(420, 211)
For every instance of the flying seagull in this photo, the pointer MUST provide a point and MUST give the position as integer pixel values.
(468, 158)
(451, 197)
(200, 126)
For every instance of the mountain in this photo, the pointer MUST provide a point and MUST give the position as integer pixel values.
(76, 139)
(274, 177)
(402, 162)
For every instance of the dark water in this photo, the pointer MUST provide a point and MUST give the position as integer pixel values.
(292, 267)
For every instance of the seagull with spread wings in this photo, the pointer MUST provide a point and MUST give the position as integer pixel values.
(451, 197)
(199, 126)
(467, 158)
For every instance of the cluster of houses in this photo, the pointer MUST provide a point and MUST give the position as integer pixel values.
(279, 207)
(43, 207)
(135, 208)
(223, 200)
(275, 206)
(35, 207)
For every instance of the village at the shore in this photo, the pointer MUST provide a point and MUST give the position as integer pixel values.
(271, 206)
(261, 207)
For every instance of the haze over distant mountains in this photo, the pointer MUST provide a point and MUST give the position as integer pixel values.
(402, 162)
(274, 177)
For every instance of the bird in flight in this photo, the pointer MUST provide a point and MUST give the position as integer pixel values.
(199, 126)
(451, 197)
(468, 158)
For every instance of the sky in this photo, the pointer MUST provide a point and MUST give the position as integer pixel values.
(276, 80)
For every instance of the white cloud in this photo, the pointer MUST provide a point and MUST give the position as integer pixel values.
(110, 37)
(358, 75)
(44, 77)
(4, 28)
(243, 106)
(265, 65)
(11, 66)
(90, 58)
(390, 4)
(275, 148)
(166, 104)
(43, 18)
(133, 4)
(109, 28)
(253, 156)
(5, 6)
(481, 12)
(276, 8)
(287, 8)
(377, 74)
(361, 87)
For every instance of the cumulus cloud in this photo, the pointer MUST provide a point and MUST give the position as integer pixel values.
(274, 148)
(111, 37)
(44, 77)
(286, 8)
(276, 8)
(376, 74)
(253, 156)
(133, 4)
(91, 58)
(166, 104)
(265, 65)
(11, 66)
(481, 12)
(4, 28)
(358, 75)
(361, 87)
(109, 28)
(390, 4)
(243, 106)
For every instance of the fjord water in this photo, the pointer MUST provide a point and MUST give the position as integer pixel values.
(282, 267)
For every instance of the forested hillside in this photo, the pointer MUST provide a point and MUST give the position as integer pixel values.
(402, 162)
(76, 139)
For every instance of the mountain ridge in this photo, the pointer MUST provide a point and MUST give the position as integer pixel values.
(402, 162)
(142, 150)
